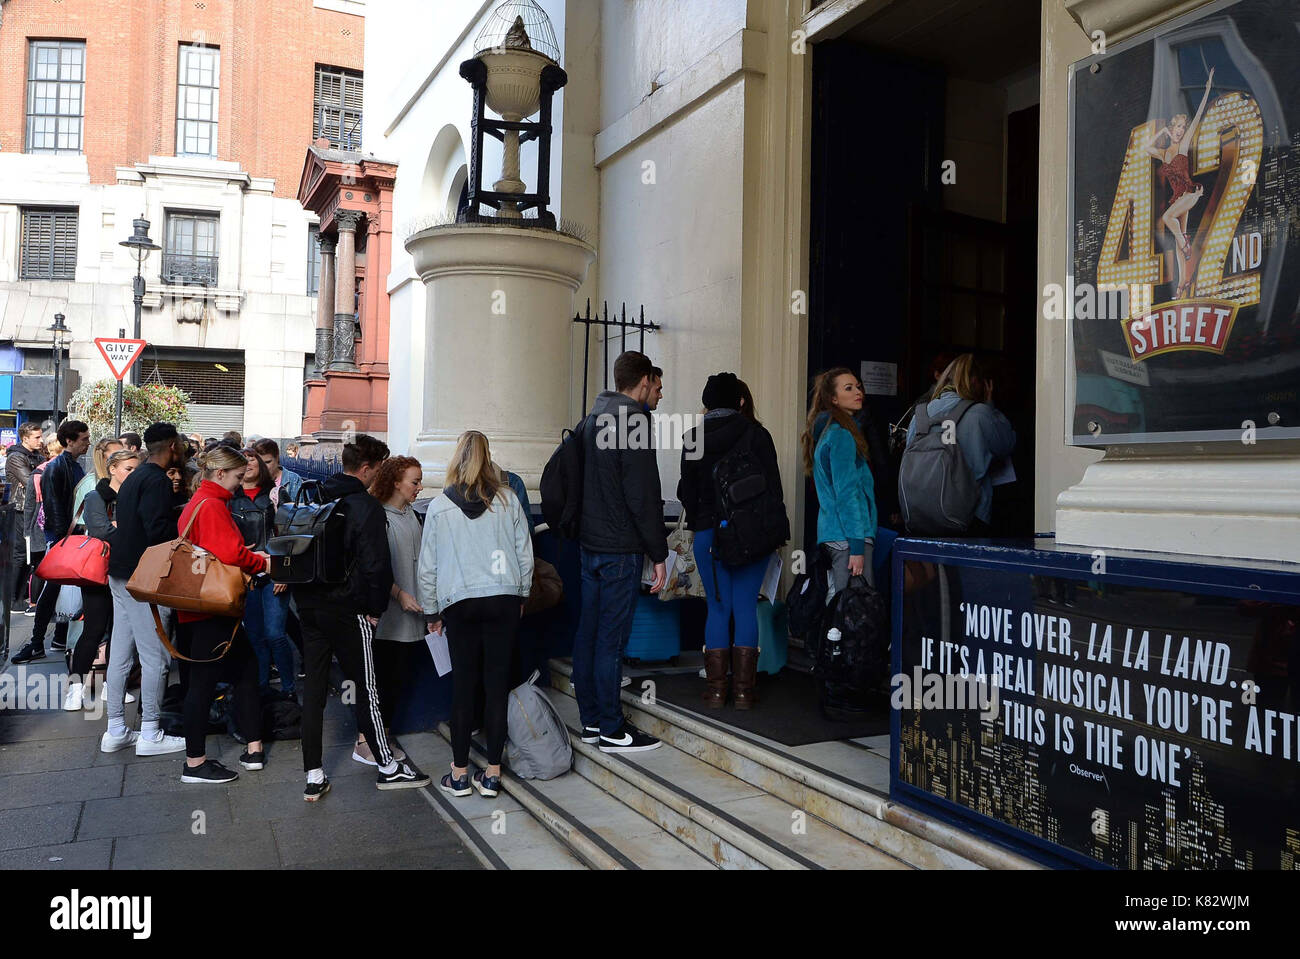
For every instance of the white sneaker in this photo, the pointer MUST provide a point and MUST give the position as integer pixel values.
(73, 698)
(108, 743)
(160, 746)
(626, 682)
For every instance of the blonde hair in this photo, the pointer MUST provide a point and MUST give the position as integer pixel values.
(53, 447)
(101, 455)
(965, 377)
(471, 468)
(220, 458)
(121, 456)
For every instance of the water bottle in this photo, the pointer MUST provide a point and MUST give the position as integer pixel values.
(833, 637)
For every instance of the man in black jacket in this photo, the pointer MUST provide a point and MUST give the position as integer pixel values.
(24, 456)
(58, 485)
(146, 516)
(622, 520)
(340, 620)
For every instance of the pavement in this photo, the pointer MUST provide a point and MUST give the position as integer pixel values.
(66, 805)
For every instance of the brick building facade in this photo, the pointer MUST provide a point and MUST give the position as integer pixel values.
(196, 114)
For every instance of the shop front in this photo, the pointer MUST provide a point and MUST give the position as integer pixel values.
(1122, 692)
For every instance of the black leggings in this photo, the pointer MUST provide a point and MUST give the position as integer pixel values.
(239, 666)
(47, 597)
(98, 604)
(481, 638)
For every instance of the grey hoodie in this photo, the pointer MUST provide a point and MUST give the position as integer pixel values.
(471, 551)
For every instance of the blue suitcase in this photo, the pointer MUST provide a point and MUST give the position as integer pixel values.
(773, 637)
(656, 631)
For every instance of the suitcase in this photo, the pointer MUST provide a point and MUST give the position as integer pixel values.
(773, 637)
(656, 635)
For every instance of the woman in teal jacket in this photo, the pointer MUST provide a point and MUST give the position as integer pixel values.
(835, 456)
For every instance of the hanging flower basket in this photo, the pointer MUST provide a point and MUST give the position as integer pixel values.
(142, 406)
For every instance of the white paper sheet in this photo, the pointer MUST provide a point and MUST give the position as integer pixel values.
(771, 578)
(437, 643)
(1002, 472)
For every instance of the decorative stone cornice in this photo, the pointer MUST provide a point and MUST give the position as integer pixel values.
(1119, 19)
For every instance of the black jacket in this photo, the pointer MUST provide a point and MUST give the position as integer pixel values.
(58, 489)
(18, 471)
(622, 506)
(365, 538)
(146, 516)
(721, 433)
(254, 517)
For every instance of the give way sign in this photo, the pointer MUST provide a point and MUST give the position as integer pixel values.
(120, 355)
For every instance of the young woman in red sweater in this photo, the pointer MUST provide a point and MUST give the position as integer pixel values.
(214, 530)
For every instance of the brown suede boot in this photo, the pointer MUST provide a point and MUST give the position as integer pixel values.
(744, 674)
(715, 672)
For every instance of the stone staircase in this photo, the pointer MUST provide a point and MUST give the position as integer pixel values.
(711, 797)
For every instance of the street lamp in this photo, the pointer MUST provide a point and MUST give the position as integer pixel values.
(140, 246)
(59, 330)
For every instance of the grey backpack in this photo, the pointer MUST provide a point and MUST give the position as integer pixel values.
(537, 744)
(936, 492)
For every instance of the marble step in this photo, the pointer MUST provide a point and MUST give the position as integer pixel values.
(592, 825)
(840, 798)
(499, 832)
(727, 820)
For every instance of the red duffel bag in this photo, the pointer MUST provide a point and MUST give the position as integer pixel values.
(75, 561)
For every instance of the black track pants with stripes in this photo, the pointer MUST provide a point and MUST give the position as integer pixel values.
(350, 639)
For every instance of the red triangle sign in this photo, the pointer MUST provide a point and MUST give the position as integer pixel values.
(120, 355)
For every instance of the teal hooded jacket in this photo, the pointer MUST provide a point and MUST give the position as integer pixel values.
(846, 492)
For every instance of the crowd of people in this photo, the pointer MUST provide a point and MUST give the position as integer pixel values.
(462, 573)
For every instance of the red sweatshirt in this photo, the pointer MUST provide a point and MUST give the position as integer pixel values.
(216, 532)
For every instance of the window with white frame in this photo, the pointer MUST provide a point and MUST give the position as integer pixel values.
(190, 253)
(197, 100)
(56, 86)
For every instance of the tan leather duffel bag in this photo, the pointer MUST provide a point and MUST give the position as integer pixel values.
(182, 576)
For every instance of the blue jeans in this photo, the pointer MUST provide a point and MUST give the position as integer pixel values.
(610, 586)
(735, 593)
(264, 618)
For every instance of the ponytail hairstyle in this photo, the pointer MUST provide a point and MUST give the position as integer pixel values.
(220, 457)
(471, 468)
(823, 401)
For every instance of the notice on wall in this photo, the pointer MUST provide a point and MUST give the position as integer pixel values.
(1137, 728)
(879, 379)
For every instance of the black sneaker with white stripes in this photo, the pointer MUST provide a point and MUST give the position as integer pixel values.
(314, 791)
(628, 739)
(406, 776)
(591, 735)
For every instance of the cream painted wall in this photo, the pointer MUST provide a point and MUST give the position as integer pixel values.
(675, 246)
(644, 42)
(1056, 465)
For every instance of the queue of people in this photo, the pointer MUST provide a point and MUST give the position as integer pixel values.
(462, 574)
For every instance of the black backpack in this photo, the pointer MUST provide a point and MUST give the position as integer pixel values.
(309, 545)
(561, 485)
(853, 667)
(752, 522)
(805, 603)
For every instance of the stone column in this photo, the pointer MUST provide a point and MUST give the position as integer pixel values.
(325, 310)
(497, 327)
(344, 356)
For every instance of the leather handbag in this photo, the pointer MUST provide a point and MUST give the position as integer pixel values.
(182, 576)
(547, 589)
(75, 561)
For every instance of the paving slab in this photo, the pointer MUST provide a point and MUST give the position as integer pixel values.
(251, 846)
(63, 785)
(353, 836)
(155, 813)
(39, 825)
(92, 854)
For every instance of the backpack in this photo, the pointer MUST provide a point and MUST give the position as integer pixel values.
(936, 493)
(852, 668)
(805, 603)
(309, 545)
(752, 521)
(538, 744)
(561, 485)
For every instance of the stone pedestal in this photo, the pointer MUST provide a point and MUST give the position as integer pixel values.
(1220, 500)
(497, 342)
